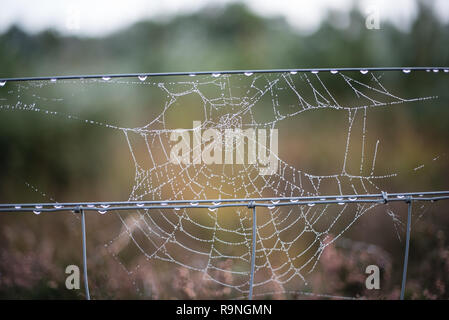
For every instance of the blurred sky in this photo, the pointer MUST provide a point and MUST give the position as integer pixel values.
(100, 17)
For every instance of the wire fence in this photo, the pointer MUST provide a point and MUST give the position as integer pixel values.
(251, 203)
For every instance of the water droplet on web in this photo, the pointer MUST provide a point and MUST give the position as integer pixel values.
(215, 75)
(142, 78)
(363, 71)
(2, 83)
(248, 74)
(106, 78)
(102, 211)
(334, 71)
(311, 204)
(406, 70)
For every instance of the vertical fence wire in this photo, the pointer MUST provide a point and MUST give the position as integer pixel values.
(407, 248)
(253, 255)
(83, 228)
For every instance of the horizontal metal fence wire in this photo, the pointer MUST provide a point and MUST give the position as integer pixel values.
(383, 197)
(194, 73)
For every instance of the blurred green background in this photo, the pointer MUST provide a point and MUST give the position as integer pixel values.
(46, 160)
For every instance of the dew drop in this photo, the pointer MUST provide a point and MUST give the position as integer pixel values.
(311, 204)
(142, 78)
(334, 71)
(215, 75)
(363, 71)
(2, 83)
(406, 70)
(102, 211)
(248, 74)
(106, 78)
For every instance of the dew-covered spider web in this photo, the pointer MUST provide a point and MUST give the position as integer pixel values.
(309, 110)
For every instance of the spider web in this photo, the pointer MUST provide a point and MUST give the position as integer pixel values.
(216, 243)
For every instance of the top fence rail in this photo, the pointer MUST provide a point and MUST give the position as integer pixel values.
(247, 72)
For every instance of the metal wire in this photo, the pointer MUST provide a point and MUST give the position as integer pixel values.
(222, 203)
(194, 73)
(83, 229)
(253, 254)
(407, 249)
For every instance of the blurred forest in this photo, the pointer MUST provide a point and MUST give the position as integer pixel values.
(34, 249)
